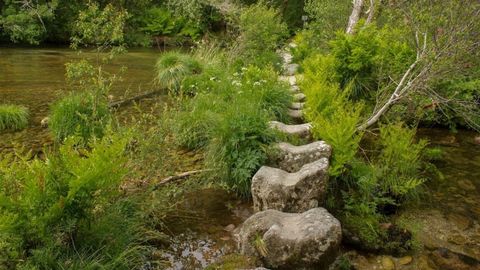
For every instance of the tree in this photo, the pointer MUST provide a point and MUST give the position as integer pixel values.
(445, 34)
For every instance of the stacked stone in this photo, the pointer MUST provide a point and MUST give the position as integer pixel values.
(290, 229)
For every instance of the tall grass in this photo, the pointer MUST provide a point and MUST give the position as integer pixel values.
(13, 117)
(79, 114)
(173, 67)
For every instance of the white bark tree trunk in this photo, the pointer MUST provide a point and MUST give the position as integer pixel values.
(355, 16)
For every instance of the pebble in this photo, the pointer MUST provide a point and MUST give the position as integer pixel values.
(388, 263)
(405, 260)
(466, 185)
(229, 228)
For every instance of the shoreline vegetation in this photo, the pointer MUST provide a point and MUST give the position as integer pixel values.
(102, 196)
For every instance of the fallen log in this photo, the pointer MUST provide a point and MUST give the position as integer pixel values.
(120, 103)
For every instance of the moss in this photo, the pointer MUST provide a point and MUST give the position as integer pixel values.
(13, 117)
(232, 262)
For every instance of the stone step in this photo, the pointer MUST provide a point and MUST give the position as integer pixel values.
(295, 89)
(291, 158)
(289, 79)
(300, 97)
(296, 116)
(308, 240)
(297, 105)
(274, 188)
(291, 69)
(287, 57)
(301, 130)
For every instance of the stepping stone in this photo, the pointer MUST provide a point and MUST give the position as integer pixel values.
(295, 89)
(297, 105)
(291, 69)
(300, 97)
(301, 130)
(291, 158)
(289, 79)
(274, 188)
(287, 57)
(308, 240)
(296, 116)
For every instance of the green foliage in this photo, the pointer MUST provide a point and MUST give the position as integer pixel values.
(229, 120)
(326, 17)
(364, 190)
(261, 32)
(102, 28)
(79, 114)
(364, 59)
(13, 117)
(173, 67)
(26, 23)
(65, 212)
(161, 22)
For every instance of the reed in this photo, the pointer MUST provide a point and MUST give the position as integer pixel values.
(13, 117)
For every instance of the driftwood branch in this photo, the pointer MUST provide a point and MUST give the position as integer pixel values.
(177, 177)
(120, 103)
(402, 88)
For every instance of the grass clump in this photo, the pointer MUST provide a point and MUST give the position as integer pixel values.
(13, 117)
(173, 67)
(85, 115)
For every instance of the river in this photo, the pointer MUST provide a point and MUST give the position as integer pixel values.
(35, 77)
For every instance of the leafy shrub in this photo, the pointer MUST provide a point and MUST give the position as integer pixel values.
(363, 191)
(261, 32)
(84, 115)
(13, 117)
(64, 212)
(159, 21)
(238, 144)
(173, 67)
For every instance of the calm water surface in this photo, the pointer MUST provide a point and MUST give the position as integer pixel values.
(35, 77)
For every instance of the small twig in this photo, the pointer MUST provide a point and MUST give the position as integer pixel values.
(177, 177)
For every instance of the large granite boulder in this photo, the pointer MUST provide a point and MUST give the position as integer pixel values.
(303, 131)
(274, 188)
(291, 158)
(308, 240)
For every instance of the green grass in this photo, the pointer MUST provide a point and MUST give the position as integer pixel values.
(173, 67)
(79, 114)
(13, 117)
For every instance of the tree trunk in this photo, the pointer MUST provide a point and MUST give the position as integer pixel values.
(371, 12)
(355, 16)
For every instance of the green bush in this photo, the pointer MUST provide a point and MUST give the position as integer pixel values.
(173, 67)
(364, 190)
(79, 114)
(13, 117)
(238, 144)
(261, 32)
(65, 212)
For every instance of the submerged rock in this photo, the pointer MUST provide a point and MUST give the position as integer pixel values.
(274, 188)
(453, 232)
(302, 131)
(476, 140)
(291, 158)
(308, 240)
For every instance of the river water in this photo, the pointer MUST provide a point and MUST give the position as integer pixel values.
(35, 77)
(448, 218)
